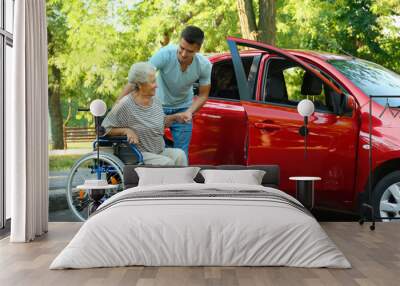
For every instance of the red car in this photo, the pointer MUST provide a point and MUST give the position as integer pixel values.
(251, 118)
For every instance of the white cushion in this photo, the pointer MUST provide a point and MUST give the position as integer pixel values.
(248, 177)
(164, 176)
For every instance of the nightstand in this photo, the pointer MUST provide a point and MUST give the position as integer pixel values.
(305, 190)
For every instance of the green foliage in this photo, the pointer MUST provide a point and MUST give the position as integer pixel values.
(144, 25)
(293, 79)
(363, 28)
(57, 35)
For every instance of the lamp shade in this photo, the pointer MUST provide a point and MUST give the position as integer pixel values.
(98, 107)
(305, 107)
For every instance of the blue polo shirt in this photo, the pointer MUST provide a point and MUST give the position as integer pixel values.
(175, 87)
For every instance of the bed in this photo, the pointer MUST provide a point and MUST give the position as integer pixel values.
(201, 224)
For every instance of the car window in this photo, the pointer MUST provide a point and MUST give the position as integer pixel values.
(371, 78)
(223, 79)
(294, 77)
(287, 83)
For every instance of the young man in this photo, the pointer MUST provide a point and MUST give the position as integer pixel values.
(179, 67)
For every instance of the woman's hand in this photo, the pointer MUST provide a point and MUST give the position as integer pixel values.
(169, 119)
(131, 136)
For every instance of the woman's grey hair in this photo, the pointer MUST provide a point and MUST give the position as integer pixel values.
(139, 73)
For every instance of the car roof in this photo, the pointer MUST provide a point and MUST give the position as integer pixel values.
(319, 54)
(300, 53)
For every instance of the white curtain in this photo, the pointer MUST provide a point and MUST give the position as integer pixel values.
(26, 127)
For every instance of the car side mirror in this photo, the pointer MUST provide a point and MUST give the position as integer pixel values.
(350, 104)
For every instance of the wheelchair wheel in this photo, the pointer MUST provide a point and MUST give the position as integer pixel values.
(85, 169)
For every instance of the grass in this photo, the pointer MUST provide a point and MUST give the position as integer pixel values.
(62, 162)
(80, 145)
(65, 162)
(77, 145)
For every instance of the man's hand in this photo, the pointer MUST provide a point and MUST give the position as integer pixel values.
(185, 117)
(131, 136)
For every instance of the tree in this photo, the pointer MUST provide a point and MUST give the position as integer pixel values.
(266, 25)
(149, 23)
(363, 28)
(56, 34)
(263, 28)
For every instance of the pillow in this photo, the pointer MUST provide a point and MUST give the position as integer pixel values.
(249, 177)
(163, 176)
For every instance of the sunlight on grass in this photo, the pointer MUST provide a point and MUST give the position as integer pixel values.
(62, 162)
(77, 145)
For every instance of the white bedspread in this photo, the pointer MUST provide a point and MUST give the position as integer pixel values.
(177, 231)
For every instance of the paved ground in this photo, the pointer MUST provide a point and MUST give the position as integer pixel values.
(62, 215)
(58, 179)
(58, 206)
(57, 184)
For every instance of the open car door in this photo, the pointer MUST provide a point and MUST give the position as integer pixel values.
(273, 125)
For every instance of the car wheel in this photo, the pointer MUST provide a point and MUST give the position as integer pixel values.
(386, 197)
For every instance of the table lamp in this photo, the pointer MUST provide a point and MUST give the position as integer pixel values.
(98, 108)
(305, 108)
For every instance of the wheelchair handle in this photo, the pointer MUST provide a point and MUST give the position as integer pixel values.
(87, 109)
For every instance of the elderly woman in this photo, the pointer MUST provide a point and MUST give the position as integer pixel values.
(140, 117)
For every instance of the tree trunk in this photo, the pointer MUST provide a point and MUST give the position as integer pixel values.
(56, 120)
(166, 37)
(266, 24)
(247, 19)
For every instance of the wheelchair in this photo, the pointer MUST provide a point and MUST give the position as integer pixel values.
(114, 153)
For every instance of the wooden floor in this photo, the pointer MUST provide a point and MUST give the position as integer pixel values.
(374, 255)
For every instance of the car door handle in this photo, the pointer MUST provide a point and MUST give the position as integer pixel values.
(208, 115)
(267, 126)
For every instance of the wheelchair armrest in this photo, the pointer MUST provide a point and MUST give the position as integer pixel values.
(109, 140)
(112, 139)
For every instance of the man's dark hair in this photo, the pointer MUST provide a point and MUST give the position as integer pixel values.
(193, 35)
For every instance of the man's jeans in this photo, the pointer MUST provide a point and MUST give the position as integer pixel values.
(181, 132)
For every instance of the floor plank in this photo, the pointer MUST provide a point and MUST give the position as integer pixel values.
(374, 255)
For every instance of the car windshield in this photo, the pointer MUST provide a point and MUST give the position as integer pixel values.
(371, 78)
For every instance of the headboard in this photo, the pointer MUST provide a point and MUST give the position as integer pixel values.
(270, 179)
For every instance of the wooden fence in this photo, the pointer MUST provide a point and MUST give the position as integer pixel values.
(78, 134)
